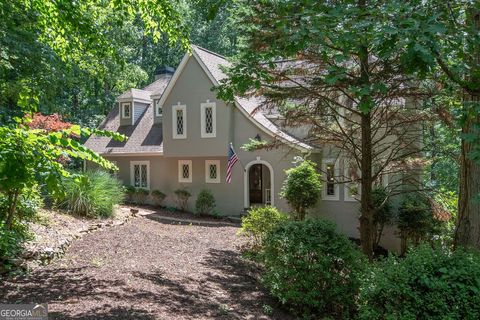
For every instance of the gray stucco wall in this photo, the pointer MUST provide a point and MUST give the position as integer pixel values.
(192, 88)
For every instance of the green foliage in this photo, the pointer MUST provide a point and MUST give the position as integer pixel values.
(205, 202)
(384, 215)
(302, 188)
(93, 194)
(312, 269)
(11, 240)
(182, 198)
(158, 197)
(140, 196)
(258, 222)
(29, 157)
(427, 284)
(415, 219)
(254, 144)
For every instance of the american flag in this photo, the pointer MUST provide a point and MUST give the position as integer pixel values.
(232, 159)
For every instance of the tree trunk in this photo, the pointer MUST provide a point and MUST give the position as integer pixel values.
(467, 232)
(13, 198)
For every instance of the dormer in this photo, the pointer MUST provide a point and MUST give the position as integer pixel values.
(133, 104)
(163, 74)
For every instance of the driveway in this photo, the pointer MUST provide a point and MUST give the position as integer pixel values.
(149, 268)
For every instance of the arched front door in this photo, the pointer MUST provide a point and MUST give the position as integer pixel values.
(259, 188)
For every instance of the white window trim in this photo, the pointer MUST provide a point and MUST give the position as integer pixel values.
(336, 172)
(158, 107)
(123, 104)
(346, 192)
(132, 178)
(203, 126)
(207, 171)
(174, 121)
(180, 171)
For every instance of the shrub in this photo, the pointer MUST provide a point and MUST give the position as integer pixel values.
(258, 222)
(312, 268)
(427, 284)
(415, 219)
(302, 188)
(93, 194)
(205, 202)
(11, 240)
(27, 205)
(158, 197)
(129, 193)
(383, 212)
(182, 198)
(140, 196)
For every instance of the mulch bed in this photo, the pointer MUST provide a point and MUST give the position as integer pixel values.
(147, 269)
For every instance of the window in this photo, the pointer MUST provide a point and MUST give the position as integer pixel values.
(179, 122)
(212, 171)
(330, 185)
(140, 174)
(208, 120)
(352, 184)
(158, 108)
(184, 170)
(126, 110)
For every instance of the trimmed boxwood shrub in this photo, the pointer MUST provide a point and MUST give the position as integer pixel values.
(312, 269)
(205, 202)
(182, 198)
(258, 222)
(427, 284)
(158, 197)
(140, 196)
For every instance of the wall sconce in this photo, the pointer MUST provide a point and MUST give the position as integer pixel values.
(257, 137)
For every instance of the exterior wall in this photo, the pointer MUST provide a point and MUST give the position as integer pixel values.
(138, 110)
(192, 88)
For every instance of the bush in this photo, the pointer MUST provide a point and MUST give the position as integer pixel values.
(415, 219)
(302, 188)
(129, 193)
(28, 203)
(11, 241)
(205, 202)
(312, 268)
(383, 212)
(258, 222)
(182, 198)
(140, 196)
(427, 284)
(158, 197)
(93, 194)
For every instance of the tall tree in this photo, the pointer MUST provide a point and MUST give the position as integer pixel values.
(341, 61)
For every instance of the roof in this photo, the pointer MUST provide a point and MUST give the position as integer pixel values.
(250, 106)
(158, 86)
(136, 94)
(143, 137)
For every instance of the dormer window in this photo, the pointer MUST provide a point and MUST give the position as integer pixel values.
(179, 114)
(126, 110)
(208, 120)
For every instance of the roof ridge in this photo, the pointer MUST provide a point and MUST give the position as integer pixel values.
(210, 52)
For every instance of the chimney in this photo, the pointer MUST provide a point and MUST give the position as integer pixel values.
(163, 71)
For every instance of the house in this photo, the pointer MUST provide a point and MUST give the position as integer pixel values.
(179, 133)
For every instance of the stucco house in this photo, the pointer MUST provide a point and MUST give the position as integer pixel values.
(179, 133)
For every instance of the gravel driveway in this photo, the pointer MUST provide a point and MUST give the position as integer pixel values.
(149, 269)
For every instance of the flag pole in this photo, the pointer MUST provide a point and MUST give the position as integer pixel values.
(231, 145)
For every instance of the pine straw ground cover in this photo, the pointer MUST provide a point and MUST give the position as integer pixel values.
(148, 269)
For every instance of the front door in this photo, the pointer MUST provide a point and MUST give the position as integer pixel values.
(255, 184)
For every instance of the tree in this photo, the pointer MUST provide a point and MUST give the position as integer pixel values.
(448, 35)
(30, 156)
(302, 188)
(340, 68)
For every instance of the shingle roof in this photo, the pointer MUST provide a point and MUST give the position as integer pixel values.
(145, 136)
(135, 94)
(251, 105)
(158, 86)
